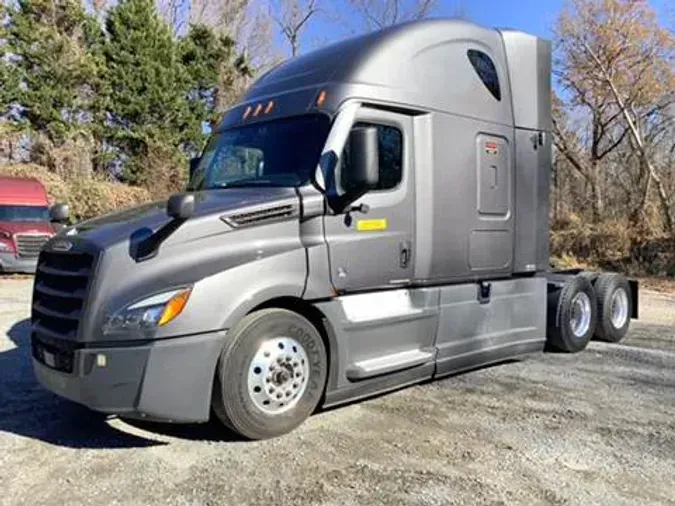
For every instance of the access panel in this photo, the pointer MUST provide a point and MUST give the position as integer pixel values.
(493, 176)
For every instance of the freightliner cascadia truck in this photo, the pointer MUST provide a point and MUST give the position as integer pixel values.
(369, 216)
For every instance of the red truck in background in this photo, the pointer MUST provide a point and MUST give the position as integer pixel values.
(25, 223)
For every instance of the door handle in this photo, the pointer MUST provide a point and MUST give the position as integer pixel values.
(405, 253)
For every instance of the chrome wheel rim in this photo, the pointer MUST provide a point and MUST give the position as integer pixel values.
(278, 374)
(619, 305)
(581, 314)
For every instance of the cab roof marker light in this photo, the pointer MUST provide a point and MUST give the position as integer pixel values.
(257, 110)
(247, 112)
(270, 106)
(321, 99)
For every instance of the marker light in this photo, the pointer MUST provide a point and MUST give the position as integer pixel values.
(270, 106)
(149, 313)
(257, 110)
(247, 112)
(321, 98)
(175, 306)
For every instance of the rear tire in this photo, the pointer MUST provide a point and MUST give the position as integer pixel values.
(572, 315)
(270, 375)
(615, 307)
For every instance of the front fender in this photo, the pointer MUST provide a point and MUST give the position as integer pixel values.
(218, 301)
(221, 300)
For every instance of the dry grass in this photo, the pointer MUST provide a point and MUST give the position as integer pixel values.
(658, 284)
(612, 245)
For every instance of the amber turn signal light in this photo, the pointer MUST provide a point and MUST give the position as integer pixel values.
(175, 306)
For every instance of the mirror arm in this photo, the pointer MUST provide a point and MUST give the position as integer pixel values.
(149, 247)
(361, 208)
(341, 203)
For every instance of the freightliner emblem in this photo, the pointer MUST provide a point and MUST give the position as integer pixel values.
(62, 246)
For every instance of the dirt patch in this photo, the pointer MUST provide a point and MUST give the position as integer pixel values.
(656, 284)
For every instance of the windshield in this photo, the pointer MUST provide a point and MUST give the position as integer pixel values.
(24, 213)
(282, 152)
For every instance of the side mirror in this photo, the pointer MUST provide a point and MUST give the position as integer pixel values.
(363, 170)
(181, 206)
(194, 163)
(59, 213)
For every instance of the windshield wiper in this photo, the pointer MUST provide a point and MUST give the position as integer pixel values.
(252, 182)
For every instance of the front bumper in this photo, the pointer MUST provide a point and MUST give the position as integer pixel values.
(167, 379)
(11, 263)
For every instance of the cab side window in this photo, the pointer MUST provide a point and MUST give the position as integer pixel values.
(390, 144)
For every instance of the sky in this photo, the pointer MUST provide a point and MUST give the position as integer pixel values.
(533, 16)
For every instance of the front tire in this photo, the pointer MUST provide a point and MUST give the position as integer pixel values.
(615, 307)
(271, 374)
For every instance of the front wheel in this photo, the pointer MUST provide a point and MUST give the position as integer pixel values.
(271, 374)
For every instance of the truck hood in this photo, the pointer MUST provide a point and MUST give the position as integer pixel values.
(26, 227)
(118, 226)
(230, 228)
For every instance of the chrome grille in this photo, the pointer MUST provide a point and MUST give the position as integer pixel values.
(29, 245)
(60, 287)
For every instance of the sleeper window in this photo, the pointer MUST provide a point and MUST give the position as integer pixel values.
(486, 70)
(390, 152)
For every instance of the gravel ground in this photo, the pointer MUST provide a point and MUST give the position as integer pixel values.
(592, 428)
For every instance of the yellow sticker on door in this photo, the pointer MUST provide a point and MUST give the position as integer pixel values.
(371, 225)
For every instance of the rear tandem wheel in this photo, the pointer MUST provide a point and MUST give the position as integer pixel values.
(615, 307)
(572, 315)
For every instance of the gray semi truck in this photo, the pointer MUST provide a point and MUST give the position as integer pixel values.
(370, 215)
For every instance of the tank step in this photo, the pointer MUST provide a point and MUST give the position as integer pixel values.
(389, 363)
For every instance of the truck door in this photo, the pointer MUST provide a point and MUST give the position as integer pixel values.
(375, 249)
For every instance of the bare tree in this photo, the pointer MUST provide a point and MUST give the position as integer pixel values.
(174, 12)
(248, 22)
(377, 14)
(615, 64)
(292, 17)
(224, 16)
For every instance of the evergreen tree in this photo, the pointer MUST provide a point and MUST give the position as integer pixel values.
(146, 86)
(50, 66)
(8, 76)
(212, 65)
(141, 95)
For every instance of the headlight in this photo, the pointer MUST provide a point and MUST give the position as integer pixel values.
(149, 313)
(4, 246)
